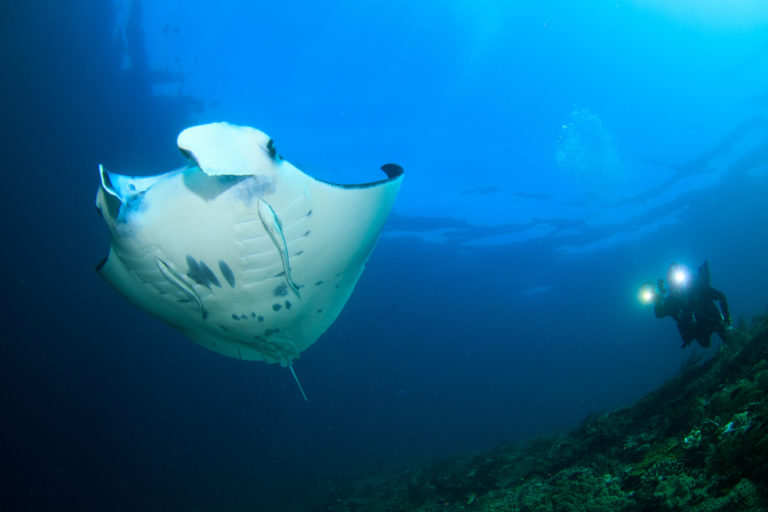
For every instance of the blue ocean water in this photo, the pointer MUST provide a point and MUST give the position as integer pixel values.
(557, 155)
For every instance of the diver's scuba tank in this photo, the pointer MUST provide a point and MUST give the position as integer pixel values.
(702, 276)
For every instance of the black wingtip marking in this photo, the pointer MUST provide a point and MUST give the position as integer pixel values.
(392, 170)
(101, 263)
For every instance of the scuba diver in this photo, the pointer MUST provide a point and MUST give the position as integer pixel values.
(691, 303)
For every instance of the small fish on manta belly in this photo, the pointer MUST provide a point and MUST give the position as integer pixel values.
(240, 250)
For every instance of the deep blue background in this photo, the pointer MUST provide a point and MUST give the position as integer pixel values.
(500, 302)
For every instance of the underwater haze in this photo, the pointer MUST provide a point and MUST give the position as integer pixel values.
(557, 155)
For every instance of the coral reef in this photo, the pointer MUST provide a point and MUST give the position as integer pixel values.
(698, 443)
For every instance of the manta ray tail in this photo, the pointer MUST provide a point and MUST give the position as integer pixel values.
(298, 383)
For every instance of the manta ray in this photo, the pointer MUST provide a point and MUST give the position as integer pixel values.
(241, 251)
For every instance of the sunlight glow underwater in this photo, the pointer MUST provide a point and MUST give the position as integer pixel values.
(724, 14)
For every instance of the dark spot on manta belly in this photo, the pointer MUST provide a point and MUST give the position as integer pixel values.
(200, 273)
(277, 307)
(235, 317)
(261, 318)
(281, 290)
(288, 304)
(318, 283)
(227, 273)
(270, 332)
(209, 275)
(195, 272)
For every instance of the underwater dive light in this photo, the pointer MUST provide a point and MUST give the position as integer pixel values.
(680, 276)
(648, 293)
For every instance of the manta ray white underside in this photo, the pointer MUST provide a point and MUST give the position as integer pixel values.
(241, 251)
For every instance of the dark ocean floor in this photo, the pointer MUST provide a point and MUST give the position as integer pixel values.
(698, 443)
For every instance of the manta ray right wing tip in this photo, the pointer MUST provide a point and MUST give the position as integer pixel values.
(393, 170)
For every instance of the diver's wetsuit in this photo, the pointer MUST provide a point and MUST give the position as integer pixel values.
(696, 314)
(677, 305)
(707, 318)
